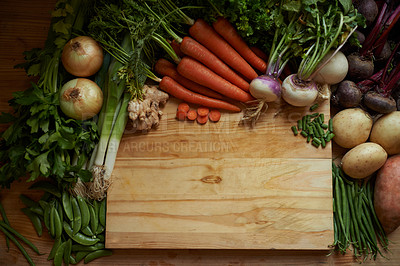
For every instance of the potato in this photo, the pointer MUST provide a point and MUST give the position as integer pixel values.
(386, 132)
(363, 160)
(351, 127)
(387, 196)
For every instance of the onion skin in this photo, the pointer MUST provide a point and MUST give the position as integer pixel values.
(81, 99)
(82, 56)
(266, 88)
(297, 92)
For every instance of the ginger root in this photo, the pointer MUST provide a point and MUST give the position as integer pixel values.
(146, 113)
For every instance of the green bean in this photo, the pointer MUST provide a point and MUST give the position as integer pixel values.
(15, 241)
(308, 138)
(345, 207)
(97, 254)
(37, 224)
(4, 215)
(58, 258)
(53, 251)
(339, 204)
(14, 232)
(316, 131)
(314, 143)
(299, 124)
(350, 190)
(294, 129)
(80, 255)
(46, 186)
(28, 201)
(314, 115)
(78, 237)
(84, 211)
(77, 216)
(67, 251)
(66, 202)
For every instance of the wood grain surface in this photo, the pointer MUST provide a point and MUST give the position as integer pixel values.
(222, 185)
(23, 25)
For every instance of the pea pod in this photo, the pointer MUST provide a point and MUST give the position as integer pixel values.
(46, 214)
(82, 248)
(72, 260)
(94, 220)
(84, 211)
(37, 209)
(28, 201)
(53, 251)
(35, 220)
(100, 229)
(58, 258)
(102, 212)
(97, 254)
(80, 255)
(87, 231)
(57, 224)
(51, 221)
(77, 215)
(78, 237)
(66, 202)
(67, 251)
(60, 213)
(46, 186)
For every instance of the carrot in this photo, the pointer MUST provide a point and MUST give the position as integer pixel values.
(192, 115)
(259, 53)
(214, 115)
(194, 49)
(229, 33)
(202, 119)
(172, 87)
(203, 111)
(181, 115)
(183, 107)
(176, 47)
(166, 68)
(197, 72)
(207, 36)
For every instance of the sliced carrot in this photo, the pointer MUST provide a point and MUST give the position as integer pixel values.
(259, 53)
(196, 50)
(207, 36)
(172, 87)
(202, 119)
(229, 33)
(197, 72)
(214, 115)
(203, 111)
(166, 68)
(181, 115)
(191, 115)
(183, 107)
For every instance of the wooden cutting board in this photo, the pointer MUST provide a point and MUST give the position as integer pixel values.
(222, 185)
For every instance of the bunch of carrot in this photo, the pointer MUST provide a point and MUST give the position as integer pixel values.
(216, 66)
(201, 115)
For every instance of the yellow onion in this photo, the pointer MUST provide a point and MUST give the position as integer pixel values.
(81, 99)
(82, 56)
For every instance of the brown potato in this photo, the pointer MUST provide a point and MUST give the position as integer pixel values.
(363, 160)
(386, 132)
(387, 196)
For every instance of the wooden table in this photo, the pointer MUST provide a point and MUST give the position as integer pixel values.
(24, 25)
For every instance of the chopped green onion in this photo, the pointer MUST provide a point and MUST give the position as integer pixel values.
(313, 107)
(294, 129)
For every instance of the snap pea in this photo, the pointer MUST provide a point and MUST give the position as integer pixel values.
(57, 224)
(27, 201)
(101, 237)
(46, 186)
(97, 254)
(72, 260)
(60, 213)
(37, 224)
(87, 231)
(84, 211)
(37, 209)
(80, 248)
(102, 212)
(77, 215)
(100, 229)
(80, 255)
(58, 258)
(78, 237)
(67, 251)
(94, 220)
(51, 221)
(15, 241)
(66, 202)
(53, 251)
